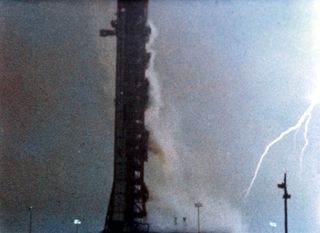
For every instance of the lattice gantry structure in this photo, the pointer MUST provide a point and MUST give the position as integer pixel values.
(127, 205)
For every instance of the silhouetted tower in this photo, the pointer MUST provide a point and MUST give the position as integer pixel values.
(127, 205)
(286, 196)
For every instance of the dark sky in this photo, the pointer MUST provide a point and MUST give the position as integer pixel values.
(56, 116)
(229, 77)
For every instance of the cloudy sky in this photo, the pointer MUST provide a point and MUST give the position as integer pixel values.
(232, 75)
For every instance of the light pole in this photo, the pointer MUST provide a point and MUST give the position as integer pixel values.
(198, 205)
(77, 222)
(285, 196)
(273, 225)
(30, 219)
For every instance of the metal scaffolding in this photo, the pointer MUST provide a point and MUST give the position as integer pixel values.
(127, 205)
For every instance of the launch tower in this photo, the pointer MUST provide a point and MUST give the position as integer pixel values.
(127, 205)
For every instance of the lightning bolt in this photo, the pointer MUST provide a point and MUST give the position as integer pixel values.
(306, 141)
(304, 120)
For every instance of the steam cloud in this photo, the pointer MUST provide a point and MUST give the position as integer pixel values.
(170, 181)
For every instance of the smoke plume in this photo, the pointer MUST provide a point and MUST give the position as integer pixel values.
(174, 185)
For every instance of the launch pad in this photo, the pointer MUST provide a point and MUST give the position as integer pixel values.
(127, 205)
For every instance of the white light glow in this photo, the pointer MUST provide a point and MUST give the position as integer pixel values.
(77, 222)
(315, 97)
(273, 224)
